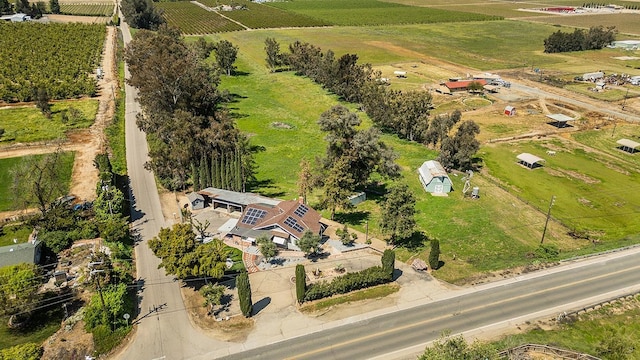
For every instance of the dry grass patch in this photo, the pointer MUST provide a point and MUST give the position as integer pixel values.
(236, 329)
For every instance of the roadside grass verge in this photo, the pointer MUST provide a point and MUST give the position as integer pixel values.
(375, 292)
(6, 195)
(588, 331)
(28, 124)
(44, 323)
(373, 12)
(116, 130)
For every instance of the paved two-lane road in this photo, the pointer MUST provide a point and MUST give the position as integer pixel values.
(402, 333)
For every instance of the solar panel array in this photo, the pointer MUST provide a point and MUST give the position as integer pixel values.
(293, 223)
(301, 210)
(252, 216)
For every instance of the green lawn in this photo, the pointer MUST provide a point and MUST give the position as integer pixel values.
(19, 232)
(44, 324)
(28, 124)
(6, 197)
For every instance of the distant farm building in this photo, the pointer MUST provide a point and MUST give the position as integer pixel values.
(626, 44)
(463, 85)
(358, 198)
(561, 9)
(593, 76)
(509, 110)
(489, 77)
(529, 161)
(434, 178)
(400, 74)
(16, 17)
(559, 120)
(627, 145)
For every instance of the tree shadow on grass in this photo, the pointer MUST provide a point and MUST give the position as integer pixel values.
(417, 240)
(352, 218)
(266, 188)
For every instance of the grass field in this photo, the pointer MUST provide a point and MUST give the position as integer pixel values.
(595, 193)
(28, 124)
(87, 9)
(588, 332)
(372, 12)
(6, 197)
(37, 331)
(191, 19)
(624, 23)
(264, 98)
(18, 232)
(259, 16)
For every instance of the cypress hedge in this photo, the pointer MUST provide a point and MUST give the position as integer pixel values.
(244, 294)
(389, 262)
(301, 282)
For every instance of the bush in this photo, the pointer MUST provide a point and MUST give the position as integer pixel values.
(346, 283)
(28, 351)
(57, 240)
(547, 252)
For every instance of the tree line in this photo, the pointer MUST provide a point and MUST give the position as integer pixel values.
(190, 133)
(595, 38)
(405, 113)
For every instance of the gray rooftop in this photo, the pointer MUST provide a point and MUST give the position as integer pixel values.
(234, 197)
(18, 253)
(628, 143)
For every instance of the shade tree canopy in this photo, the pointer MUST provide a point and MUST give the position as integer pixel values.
(398, 213)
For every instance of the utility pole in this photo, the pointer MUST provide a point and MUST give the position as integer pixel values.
(366, 232)
(553, 198)
(104, 307)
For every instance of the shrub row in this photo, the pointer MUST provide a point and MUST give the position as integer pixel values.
(346, 283)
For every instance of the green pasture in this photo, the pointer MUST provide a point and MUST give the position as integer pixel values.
(486, 45)
(604, 140)
(607, 95)
(372, 12)
(105, 9)
(27, 124)
(6, 196)
(625, 23)
(264, 98)
(595, 194)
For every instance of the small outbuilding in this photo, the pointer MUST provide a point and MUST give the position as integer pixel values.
(559, 120)
(14, 254)
(196, 201)
(434, 178)
(509, 110)
(627, 145)
(530, 161)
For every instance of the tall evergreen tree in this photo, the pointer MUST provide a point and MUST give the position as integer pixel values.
(301, 283)
(389, 262)
(54, 6)
(5, 7)
(244, 294)
(304, 180)
(434, 254)
(195, 176)
(201, 172)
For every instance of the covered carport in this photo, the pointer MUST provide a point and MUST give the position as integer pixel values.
(530, 161)
(560, 120)
(627, 145)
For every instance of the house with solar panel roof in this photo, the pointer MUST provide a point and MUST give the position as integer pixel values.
(284, 223)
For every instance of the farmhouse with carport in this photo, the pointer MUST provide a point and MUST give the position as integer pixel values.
(434, 178)
(284, 223)
(462, 85)
(627, 145)
(231, 200)
(530, 161)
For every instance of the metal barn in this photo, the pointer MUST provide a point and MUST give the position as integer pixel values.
(434, 178)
